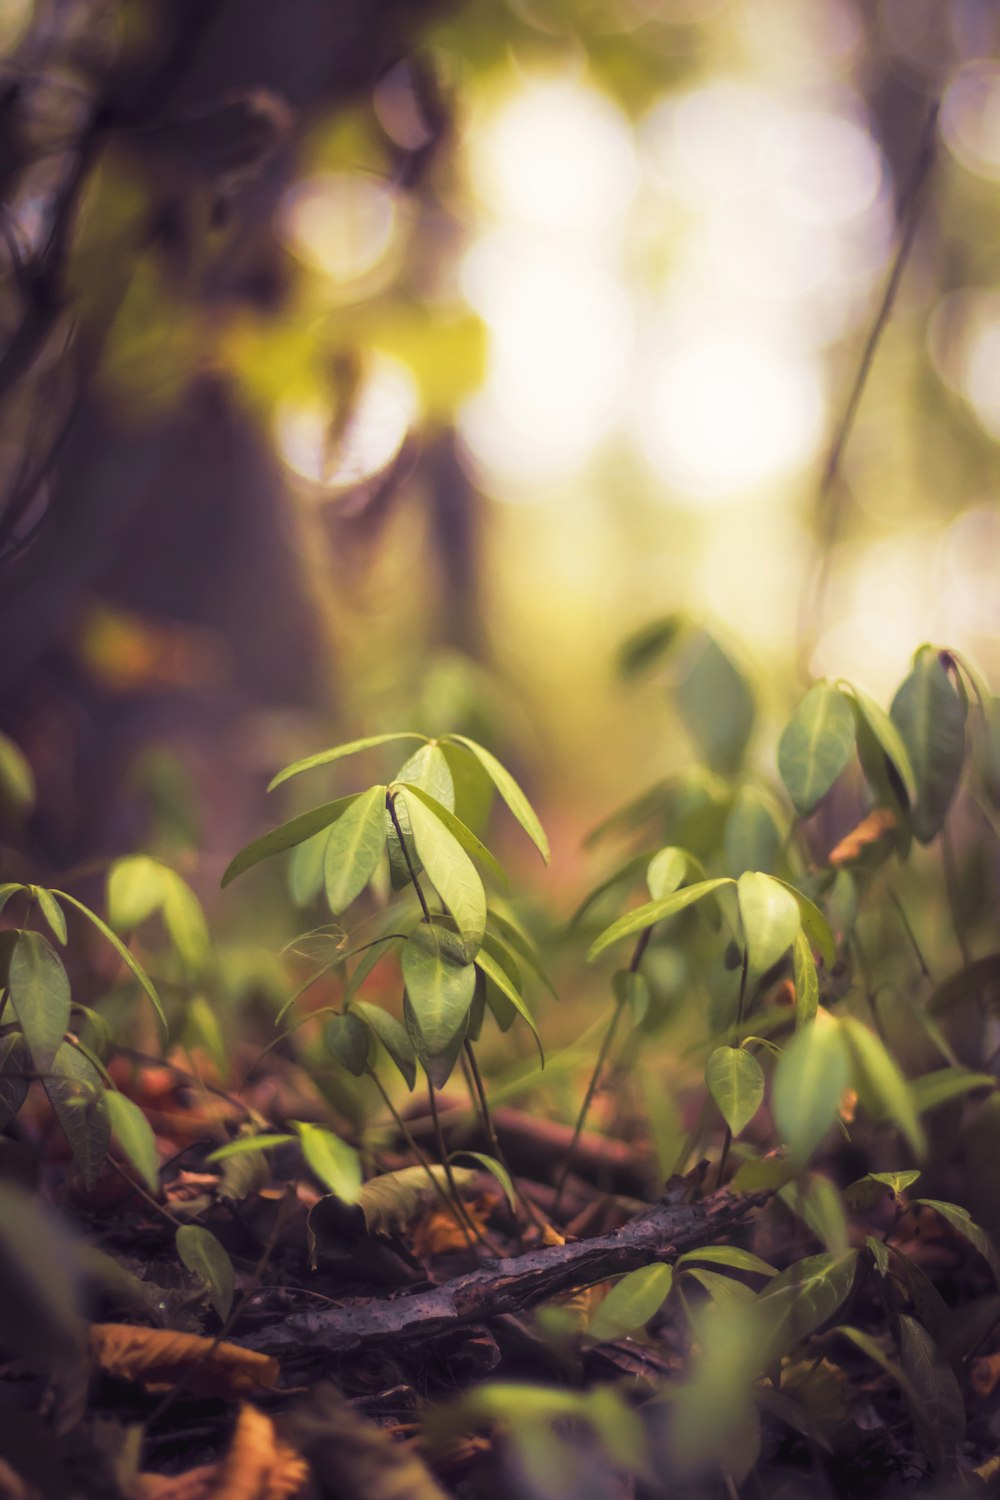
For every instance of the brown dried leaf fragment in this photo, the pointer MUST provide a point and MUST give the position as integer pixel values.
(877, 825)
(158, 1358)
(984, 1374)
(257, 1466)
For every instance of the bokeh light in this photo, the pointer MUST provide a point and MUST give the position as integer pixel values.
(331, 459)
(342, 225)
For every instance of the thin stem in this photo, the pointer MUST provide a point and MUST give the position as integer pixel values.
(407, 1135)
(390, 804)
(914, 944)
(479, 1092)
(595, 1077)
(954, 898)
(728, 1137)
(468, 1225)
(829, 501)
(140, 1192)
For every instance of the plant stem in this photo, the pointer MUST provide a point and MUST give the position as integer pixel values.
(468, 1224)
(914, 944)
(727, 1140)
(595, 1077)
(954, 899)
(390, 804)
(423, 1160)
(479, 1092)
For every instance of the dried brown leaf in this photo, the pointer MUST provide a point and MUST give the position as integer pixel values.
(257, 1466)
(877, 825)
(985, 1374)
(158, 1358)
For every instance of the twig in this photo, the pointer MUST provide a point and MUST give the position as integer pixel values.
(660, 1233)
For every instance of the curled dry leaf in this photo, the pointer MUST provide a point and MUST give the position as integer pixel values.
(878, 823)
(257, 1466)
(439, 1230)
(158, 1358)
(984, 1374)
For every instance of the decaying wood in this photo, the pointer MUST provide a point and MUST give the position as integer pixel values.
(660, 1233)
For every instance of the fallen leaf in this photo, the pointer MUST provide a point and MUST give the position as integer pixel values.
(349, 1455)
(878, 823)
(257, 1466)
(158, 1358)
(985, 1374)
(439, 1230)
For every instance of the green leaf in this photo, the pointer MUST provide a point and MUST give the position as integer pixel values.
(961, 1220)
(495, 1168)
(880, 1254)
(439, 1065)
(353, 849)
(736, 1083)
(134, 1134)
(770, 918)
(816, 745)
(814, 1199)
(939, 1415)
(631, 1302)
(869, 1191)
(392, 1036)
(17, 780)
(440, 985)
(888, 740)
(9, 889)
(624, 873)
(930, 717)
(665, 871)
(509, 791)
(645, 645)
(76, 1093)
(135, 890)
(752, 838)
(39, 992)
(53, 913)
(201, 1252)
(729, 1295)
(728, 1255)
(392, 1200)
(814, 924)
(15, 1065)
(305, 868)
(716, 702)
(946, 1084)
(326, 757)
(462, 835)
(348, 1041)
(428, 770)
(809, 1082)
(450, 869)
(804, 1297)
(972, 980)
(884, 1080)
(333, 1161)
(806, 981)
(493, 970)
(653, 912)
(130, 963)
(185, 922)
(873, 1349)
(246, 1144)
(287, 835)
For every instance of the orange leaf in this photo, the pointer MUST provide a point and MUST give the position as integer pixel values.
(879, 822)
(158, 1358)
(257, 1466)
(984, 1374)
(439, 1230)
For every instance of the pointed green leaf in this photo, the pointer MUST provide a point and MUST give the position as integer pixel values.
(716, 702)
(736, 1083)
(805, 1296)
(53, 913)
(647, 644)
(439, 985)
(287, 835)
(930, 717)
(76, 1093)
(463, 836)
(509, 791)
(728, 1255)
(631, 1302)
(8, 889)
(946, 1084)
(939, 1416)
(130, 963)
(248, 1145)
(770, 918)
(816, 745)
(185, 922)
(665, 871)
(428, 769)
(15, 1066)
(727, 1293)
(39, 992)
(753, 837)
(494, 971)
(450, 869)
(887, 738)
(814, 1199)
(134, 1135)
(806, 981)
(960, 1219)
(439, 1064)
(392, 1036)
(135, 890)
(653, 912)
(353, 849)
(339, 752)
(809, 1082)
(495, 1168)
(814, 924)
(201, 1252)
(391, 1201)
(883, 1078)
(348, 1041)
(305, 868)
(333, 1161)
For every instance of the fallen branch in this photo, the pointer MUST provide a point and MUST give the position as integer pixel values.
(661, 1233)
